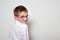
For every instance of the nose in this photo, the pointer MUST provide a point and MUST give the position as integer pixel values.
(25, 19)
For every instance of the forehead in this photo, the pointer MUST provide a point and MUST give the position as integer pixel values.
(23, 13)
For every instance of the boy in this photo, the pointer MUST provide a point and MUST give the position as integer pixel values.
(19, 30)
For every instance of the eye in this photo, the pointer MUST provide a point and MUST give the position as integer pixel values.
(26, 16)
(22, 17)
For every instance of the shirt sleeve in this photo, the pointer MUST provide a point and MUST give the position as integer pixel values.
(26, 36)
(19, 32)
(13, 35)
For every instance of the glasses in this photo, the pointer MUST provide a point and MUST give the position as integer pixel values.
(23, 16)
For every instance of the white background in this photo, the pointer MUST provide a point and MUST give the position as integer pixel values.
(45, 18)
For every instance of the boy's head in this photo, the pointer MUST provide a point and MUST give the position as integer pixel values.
(21, 14)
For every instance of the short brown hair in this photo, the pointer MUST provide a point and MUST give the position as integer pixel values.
(19, 9)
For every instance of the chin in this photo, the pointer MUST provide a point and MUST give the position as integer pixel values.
(25, 22)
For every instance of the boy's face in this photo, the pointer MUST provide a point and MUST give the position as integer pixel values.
(22, 17)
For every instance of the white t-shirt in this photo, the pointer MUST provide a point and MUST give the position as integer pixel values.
(19, 31)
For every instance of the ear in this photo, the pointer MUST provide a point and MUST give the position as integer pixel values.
(15, 17)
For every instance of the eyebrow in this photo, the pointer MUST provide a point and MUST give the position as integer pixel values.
(23, 15)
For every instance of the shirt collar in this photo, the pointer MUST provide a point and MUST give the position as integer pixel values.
(20, 24)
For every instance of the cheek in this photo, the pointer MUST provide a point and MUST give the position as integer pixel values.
(20, 20)
(23, 19)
